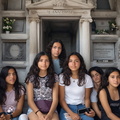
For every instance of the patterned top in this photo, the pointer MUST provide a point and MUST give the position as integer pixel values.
(43, 92)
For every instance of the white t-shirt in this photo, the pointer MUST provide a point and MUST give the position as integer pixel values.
(93, 96)
(75, 94)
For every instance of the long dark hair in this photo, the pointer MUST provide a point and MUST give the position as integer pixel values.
(34, 71)
(107, 73)
(97, 69)
(3, 85)
(62, 55)
(81, 72)
(105, 82)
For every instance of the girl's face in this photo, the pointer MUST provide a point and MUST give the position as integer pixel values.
(74, 63)
(114, 79)
(96, 77)
(11, 77)
(56, 50)
(43, 63)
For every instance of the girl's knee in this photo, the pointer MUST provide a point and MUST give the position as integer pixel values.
(55, 116)
(23, 117)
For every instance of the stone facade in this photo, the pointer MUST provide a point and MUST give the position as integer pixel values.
(40, 21)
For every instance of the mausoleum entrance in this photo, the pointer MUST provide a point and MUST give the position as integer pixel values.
(65, 20)
(63, 29)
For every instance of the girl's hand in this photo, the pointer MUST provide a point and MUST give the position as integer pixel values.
(48, 116)
(91, 113)
(7, 117)
(2, 117)
(40, 116)
(75, 116)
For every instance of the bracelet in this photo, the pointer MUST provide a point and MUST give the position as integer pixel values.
(37, 111)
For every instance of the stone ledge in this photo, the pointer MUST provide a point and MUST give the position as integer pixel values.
(104, 14)
(13, 36)
(13, 13)
(104, 38)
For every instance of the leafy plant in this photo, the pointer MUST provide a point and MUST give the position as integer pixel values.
(113, 26)
(102, 31)
(7, 24)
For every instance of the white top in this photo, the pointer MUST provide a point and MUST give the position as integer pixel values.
(93, 96)
(75, 94)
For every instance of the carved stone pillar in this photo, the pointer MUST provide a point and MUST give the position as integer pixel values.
(33, 43)
(85, 40)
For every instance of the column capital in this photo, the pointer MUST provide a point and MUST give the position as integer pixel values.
(86, 20)
(33, 18)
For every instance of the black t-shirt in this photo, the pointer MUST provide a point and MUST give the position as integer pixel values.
(114, 105)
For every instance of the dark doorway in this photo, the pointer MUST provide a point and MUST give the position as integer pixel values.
(65, 30)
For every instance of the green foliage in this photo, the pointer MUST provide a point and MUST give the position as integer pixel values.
(102, 31)
(7, 24)
(112, 26)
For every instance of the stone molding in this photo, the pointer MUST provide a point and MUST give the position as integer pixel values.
(78, 13)
(59, 3)
(85, 20)
(13, 13)
(36, 19)
(62, 4)
(104, 14)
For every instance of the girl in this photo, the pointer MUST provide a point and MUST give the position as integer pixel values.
(58, 53)
(42, 89)
(109, 95)
(96, 74)
(75, 88)
(12, 95)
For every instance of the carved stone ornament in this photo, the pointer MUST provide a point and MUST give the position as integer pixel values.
(59, 3)
(86, 20)
(14, 51)
(33, 16)
(36, 19)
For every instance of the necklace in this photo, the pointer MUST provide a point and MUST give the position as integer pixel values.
(73, 80)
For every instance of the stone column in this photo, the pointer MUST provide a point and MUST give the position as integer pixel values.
(85, 40)
(40, 40)
(33, 43)
(39, 35)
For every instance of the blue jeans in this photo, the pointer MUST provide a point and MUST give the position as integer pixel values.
(16, 118)
(29, 111)
(74, 108)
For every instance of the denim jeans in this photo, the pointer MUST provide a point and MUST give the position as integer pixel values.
(16, 118)
(74, 108)
(29, 111)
